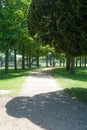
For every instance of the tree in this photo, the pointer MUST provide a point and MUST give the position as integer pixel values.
(12, 25)
(60, 23)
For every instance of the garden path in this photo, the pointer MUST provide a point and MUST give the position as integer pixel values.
(42, 105)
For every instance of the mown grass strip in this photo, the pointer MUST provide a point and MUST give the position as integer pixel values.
(74, 84)
(13, 80)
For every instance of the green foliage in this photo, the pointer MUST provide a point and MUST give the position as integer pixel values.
(13, 27)
(39, 19)
(60, 23)
(13, 24)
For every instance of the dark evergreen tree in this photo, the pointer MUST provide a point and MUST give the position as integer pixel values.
(60, 23)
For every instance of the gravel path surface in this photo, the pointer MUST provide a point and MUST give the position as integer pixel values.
(42, 105)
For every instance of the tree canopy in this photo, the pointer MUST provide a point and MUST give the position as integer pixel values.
(60, 23)
(13, 26)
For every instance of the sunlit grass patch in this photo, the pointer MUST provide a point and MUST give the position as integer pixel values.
(13, 81)
(75, 84)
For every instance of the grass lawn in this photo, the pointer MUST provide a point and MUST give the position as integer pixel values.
(13, 81)
(74, 84)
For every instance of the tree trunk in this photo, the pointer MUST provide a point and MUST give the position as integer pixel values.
(63, 62)
(76, 61)
(85, 62)
(23, 61)
(68, 63)
(50, 58)
(72, 68)
(15, 60)
(54, 62)
(60, 61)
(6, 60)
(37, 59)
(80, 62)
(46, 59)
(29, 60)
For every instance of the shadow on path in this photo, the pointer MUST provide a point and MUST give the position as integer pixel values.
(51, 111)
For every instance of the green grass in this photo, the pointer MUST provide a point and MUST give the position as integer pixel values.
(13, 81)
(74, 84)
